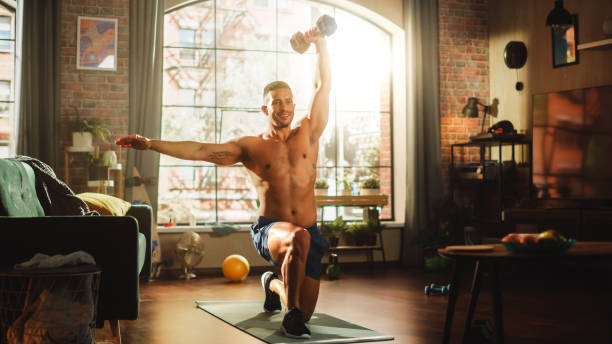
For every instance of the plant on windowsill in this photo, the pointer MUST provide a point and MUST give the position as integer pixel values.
(332, 230)
(347, 187)
(83, 130)
(370, 186)
(321, 187)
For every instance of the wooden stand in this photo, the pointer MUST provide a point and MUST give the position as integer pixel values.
(355, 201)
(100, 185)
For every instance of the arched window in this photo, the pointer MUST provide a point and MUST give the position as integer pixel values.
(218, 56)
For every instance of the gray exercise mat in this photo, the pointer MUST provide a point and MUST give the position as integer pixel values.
(249, 317)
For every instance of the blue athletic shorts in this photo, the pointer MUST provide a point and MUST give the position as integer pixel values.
(318, 245)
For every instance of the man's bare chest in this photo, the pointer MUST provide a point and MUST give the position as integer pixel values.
(272, 160)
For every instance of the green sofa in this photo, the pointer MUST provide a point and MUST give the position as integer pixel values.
(121, 245)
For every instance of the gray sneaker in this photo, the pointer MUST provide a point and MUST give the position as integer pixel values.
(272, 304)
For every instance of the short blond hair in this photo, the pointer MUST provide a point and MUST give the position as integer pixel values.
(274, 85)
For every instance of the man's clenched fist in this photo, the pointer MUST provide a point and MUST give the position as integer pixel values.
(134, 141)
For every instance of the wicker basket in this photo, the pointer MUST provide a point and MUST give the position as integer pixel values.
(49, 305)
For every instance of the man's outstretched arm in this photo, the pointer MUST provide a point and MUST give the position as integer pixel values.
(319, 104)
(228, 153)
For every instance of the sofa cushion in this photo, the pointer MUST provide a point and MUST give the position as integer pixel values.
(105, 204)
(18, 190)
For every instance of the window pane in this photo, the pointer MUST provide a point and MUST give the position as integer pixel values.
(294, 16)
(198, 18)
(242, 77)
(5, 90)
(186, 190)
(197, 74)
(7, 63)
(186, 124)
(362, 65)
(187, 37)
(327, 144)
(364, 139)
(237, 198)
(235, 124)
(301, 83)
(245, 24)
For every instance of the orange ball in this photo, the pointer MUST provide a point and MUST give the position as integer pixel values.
(235, 267)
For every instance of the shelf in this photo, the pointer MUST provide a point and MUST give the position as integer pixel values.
(355, 248)
(374, 200)
(493, 142)
(595, 44)
(73, 149)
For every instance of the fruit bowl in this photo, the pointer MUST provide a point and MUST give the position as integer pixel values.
(547, 247)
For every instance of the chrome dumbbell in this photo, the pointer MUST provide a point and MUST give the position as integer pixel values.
(438, 290)
(326, 25)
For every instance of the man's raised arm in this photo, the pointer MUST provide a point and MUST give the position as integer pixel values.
(228, 153)
(319, 104)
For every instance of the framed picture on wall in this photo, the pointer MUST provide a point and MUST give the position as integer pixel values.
(96, 43)
(565, 43)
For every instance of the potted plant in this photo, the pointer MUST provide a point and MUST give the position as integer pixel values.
(321, 187)
(332, 230)
(84, 129)
(374, 227)
(98, 168)
(356, 233)
(370, 186)
(347, 187)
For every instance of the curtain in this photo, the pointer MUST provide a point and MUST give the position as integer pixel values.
(423, 171)
(146, 38)
(38, 105)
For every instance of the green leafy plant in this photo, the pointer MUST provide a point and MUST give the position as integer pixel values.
(370, 183)
(333, 229)
(359, 231)
(99, 162)
(346, 184)
(447, 223)
(92, 125)
(374, 225)
(321, 184)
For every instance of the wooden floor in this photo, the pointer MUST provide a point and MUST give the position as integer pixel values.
(537, 308)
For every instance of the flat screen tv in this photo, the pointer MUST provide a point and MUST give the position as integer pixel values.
(572, 146)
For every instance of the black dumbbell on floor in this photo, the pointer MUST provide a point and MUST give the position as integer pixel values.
(432, 289)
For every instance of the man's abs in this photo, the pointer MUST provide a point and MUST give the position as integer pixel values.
(291, 204)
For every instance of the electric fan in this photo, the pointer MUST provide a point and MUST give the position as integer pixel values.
(189, 251)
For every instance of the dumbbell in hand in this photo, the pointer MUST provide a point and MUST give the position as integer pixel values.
(326, 25)
(438, 290)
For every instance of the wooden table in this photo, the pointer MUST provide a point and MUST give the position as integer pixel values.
(580, 252)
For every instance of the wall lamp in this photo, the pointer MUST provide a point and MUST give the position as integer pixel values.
(559, 16)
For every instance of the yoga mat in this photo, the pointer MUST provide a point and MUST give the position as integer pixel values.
(249, 317)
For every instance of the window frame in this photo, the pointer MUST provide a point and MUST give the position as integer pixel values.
(8, 145)
(398, 99)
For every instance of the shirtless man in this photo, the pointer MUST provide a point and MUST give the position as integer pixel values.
(282, 164)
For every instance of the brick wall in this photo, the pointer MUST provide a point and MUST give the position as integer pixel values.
(464, 73)
(101, 94)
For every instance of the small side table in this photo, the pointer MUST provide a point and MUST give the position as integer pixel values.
(580, 253)
(30, 291)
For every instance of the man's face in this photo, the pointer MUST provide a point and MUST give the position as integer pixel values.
(279, 107)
